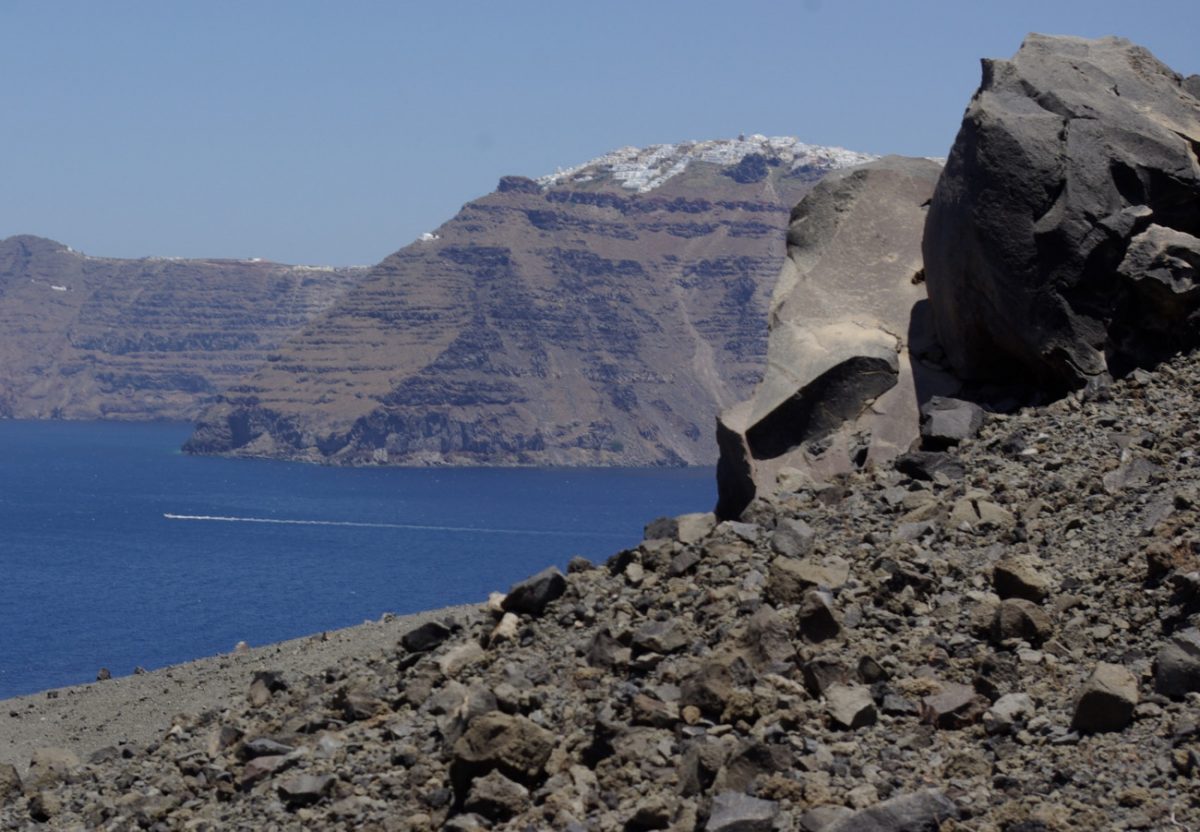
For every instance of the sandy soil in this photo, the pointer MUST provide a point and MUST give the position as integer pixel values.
(139, 709)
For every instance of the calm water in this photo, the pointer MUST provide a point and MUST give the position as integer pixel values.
(94, 574)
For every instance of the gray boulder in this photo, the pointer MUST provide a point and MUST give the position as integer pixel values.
(841, 387)
(1061, 243)
(919, 812)
(1107, 700)
(532, 595)
(737, 812)
(948, 421)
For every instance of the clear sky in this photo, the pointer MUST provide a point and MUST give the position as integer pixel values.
(336, 132)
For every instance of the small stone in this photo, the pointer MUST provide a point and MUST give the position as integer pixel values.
(260, 768)
(1177, 665)
(462, 656)
(534, 594)
(1007, 711)
(925, 465)
(425, 637)
(1017, 618)
(264, 684)
(737, 812)
(850, 706)
(1019, 578)
(103, 674)
(793, 538)
(662, 636)
(788, 578)
(506, 629)
(578, 564)
(919, 812)
(306, 789)
(821, 672)
(662, 528)
(947, 421)
(954, 706)
(817, 618)
(514, 744)
(1107, 700)
(496, 798)
(263, 747)
(693, 528)
(683, 563)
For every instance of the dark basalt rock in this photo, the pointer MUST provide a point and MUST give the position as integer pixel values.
(532, 595)
(1061, 241)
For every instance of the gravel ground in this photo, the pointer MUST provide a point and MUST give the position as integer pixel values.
(136, 710)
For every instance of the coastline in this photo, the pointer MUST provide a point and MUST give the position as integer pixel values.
(137, 710)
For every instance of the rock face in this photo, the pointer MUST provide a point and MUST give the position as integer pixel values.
(602, 315)
(1062, 242)
(100, 338)
(842, 386)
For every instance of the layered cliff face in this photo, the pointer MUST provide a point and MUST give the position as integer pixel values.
(90, 337)
(601, 315)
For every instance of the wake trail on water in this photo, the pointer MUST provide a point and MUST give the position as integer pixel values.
(408, 526)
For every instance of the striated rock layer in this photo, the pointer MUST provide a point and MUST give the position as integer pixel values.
(601, 315)
(100, 338)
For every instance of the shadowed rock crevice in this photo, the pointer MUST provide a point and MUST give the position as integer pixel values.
(835, 396)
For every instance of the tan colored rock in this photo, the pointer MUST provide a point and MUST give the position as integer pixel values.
(845, 323)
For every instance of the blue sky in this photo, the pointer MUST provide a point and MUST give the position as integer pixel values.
(337, 132)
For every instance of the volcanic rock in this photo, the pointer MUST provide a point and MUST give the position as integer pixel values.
(532, 595)
(843, 317)
(947, 421)
(496, 797)
(1177, 665)
(737, 812)
(1107, 699)
(924, 811)
(1060, 243)
(850, 706)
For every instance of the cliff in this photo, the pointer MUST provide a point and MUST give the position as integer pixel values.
(101, 338)
(602, 315)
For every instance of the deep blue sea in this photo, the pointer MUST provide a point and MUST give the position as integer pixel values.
(116, 550)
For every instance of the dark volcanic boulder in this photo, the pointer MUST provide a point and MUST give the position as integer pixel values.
(847, 318)
(1061, 243)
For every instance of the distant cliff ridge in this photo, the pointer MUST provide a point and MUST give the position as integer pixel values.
(101, 338)
(601, 315)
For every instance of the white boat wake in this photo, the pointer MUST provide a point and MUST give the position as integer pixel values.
(409, 526)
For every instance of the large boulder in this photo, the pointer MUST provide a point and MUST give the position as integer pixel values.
(1062, 243)
(840, 389)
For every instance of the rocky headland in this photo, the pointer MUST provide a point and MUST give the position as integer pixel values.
(602, 315)
(86, 337)
(994, 628)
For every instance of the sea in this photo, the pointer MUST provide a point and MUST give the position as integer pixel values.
(118, 551)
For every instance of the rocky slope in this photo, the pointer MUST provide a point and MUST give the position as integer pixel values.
(100, 338)
(601, 315)
(1010, 645)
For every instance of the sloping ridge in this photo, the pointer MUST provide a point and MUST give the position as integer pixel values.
(601, 316)
(103, 338)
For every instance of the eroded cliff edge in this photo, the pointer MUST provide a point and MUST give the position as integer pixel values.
(599, 316)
